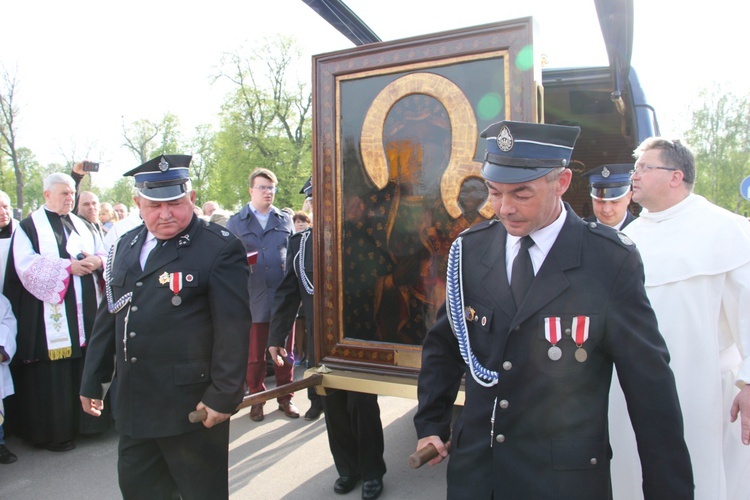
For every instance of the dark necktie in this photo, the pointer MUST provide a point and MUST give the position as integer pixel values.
(154, 251)
(522, 273)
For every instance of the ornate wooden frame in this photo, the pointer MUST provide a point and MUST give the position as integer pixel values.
(473, 74)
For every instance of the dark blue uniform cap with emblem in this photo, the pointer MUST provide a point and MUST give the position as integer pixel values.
(521, 152)
(307, 188)
(164, 178)
(611, 181)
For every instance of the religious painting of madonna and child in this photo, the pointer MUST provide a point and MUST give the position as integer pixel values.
(397, 165)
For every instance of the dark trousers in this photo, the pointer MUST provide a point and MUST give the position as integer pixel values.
(256, 362)
(194, 465)
(355, 434)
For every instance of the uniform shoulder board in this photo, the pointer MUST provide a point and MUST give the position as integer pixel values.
(610, 233)
(479, 227)
(219, 230)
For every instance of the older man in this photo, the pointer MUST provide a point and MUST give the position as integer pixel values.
(7, 225)
(88, 210)
(697, 261)
(54, 295)
(121, 210)
(173, 331)
(541, 307)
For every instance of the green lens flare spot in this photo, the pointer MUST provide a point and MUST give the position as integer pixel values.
(525, 59)
(490, 106)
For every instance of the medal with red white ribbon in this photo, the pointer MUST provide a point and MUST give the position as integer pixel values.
(552, 331)
(580, 334)
(175, 284)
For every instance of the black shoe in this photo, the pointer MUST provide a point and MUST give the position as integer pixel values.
(59, 447)
(344, 484)
(7, 456)
(314, 412)
(372, 489)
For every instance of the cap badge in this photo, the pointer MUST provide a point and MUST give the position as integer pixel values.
(163, 165)
(605, 172)
(164, 278)
(504, 139)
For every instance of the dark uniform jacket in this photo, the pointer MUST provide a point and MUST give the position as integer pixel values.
(270, 243)
(629, 217)
(291, 291)
(549, 439)
(169, 357)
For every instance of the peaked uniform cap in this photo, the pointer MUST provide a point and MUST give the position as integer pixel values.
(164, 178)
(611, 181)
(521, 152)
(307, 188)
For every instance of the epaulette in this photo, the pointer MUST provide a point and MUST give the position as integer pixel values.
(609, 233)
(217, 229)
(479, 227)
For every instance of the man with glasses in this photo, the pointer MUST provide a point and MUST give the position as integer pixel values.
(610, 194)
(697, 263)
(264, 231)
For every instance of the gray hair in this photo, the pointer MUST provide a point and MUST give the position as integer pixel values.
(58, 178)
(4, 196)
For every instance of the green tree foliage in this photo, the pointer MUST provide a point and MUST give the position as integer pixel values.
(146, 139)
(121, 192)
(719, 136)
(265, 122)
(203, 149)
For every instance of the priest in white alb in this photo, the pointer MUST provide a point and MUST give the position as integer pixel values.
(697, 263)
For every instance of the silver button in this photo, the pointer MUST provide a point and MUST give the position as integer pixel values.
(133, 359)
(517, 328)
(592, 224)
(503, 403)
(131, 335)
(594, 461)
(507, 366)
(134, 308)
(500, 438)
(139, 283)
(567, 332)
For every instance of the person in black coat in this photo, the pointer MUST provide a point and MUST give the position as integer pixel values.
(541, 307)
(611, 191)
(355, 432)
(173, 330)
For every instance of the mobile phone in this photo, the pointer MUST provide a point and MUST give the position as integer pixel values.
(90, 166)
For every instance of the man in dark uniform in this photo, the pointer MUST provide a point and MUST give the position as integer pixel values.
(538, 365)
(173, 330)
(611, 191)
(355, 432)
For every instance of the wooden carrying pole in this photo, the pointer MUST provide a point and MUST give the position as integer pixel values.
(261, 397)
(421, 457)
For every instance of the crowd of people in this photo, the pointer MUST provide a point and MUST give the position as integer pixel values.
(602, 357)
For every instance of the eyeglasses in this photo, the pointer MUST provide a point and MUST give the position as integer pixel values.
(641, 169)
(270, 189)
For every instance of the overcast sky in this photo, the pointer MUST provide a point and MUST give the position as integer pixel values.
(85, 66)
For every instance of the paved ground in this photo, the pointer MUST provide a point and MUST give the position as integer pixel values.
(278, 458)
